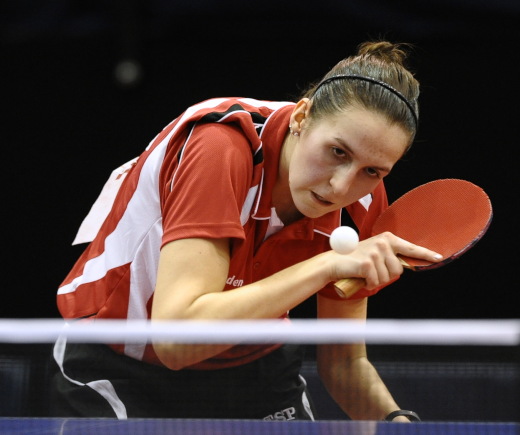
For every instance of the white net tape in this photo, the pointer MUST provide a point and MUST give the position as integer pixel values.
(302, 331)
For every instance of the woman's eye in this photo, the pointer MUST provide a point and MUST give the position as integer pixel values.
(338, 152)
(372, 172)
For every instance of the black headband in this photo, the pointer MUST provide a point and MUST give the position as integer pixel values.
(377, 82)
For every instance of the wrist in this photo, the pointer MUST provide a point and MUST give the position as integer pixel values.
(410, 415)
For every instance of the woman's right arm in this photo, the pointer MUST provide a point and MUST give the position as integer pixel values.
(192, 274)
(190, 282)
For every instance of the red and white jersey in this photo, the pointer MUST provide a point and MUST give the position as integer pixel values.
(208, 174)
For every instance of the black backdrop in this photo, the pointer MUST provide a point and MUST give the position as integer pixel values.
(67, 122)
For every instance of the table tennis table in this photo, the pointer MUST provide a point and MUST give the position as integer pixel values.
(105, 426)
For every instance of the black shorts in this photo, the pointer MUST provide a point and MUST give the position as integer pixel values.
(95, 381)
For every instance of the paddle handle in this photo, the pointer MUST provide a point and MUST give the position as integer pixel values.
(346, 287)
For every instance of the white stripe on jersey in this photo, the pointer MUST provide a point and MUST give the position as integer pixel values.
(366, 201)
(273, 105)
(140, 215)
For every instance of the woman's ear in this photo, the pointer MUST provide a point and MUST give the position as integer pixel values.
(300, 114)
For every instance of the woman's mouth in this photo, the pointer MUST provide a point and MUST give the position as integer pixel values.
(321, 200)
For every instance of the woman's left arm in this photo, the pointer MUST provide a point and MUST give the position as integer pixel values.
(346, 372)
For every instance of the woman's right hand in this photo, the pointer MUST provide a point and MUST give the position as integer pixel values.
(375, 260)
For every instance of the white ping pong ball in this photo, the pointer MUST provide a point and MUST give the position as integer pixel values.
(344, 240)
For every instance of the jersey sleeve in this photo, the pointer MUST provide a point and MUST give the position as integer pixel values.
(206, 183)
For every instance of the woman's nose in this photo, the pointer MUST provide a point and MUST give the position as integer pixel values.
(341, 181)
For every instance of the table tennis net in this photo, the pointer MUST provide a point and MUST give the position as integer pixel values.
(457, 371)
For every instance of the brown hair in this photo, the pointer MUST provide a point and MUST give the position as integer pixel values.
(376, 79)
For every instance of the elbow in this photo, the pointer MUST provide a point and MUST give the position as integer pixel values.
(167, 356)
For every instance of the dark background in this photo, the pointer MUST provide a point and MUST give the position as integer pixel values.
(67, 121)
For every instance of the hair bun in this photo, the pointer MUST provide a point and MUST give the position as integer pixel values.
(384, 50)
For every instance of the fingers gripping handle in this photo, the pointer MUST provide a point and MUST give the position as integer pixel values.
(346, 287)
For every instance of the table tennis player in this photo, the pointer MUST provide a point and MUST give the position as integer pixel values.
(227, 215)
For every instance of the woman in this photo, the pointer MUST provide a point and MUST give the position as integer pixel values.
(227, 215)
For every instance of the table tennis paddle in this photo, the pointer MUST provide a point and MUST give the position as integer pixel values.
(447, 216)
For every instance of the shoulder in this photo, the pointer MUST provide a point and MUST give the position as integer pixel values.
(213, 153)
(215, 133)
(215, 140)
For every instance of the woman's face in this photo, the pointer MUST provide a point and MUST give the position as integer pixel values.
(338, 160)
